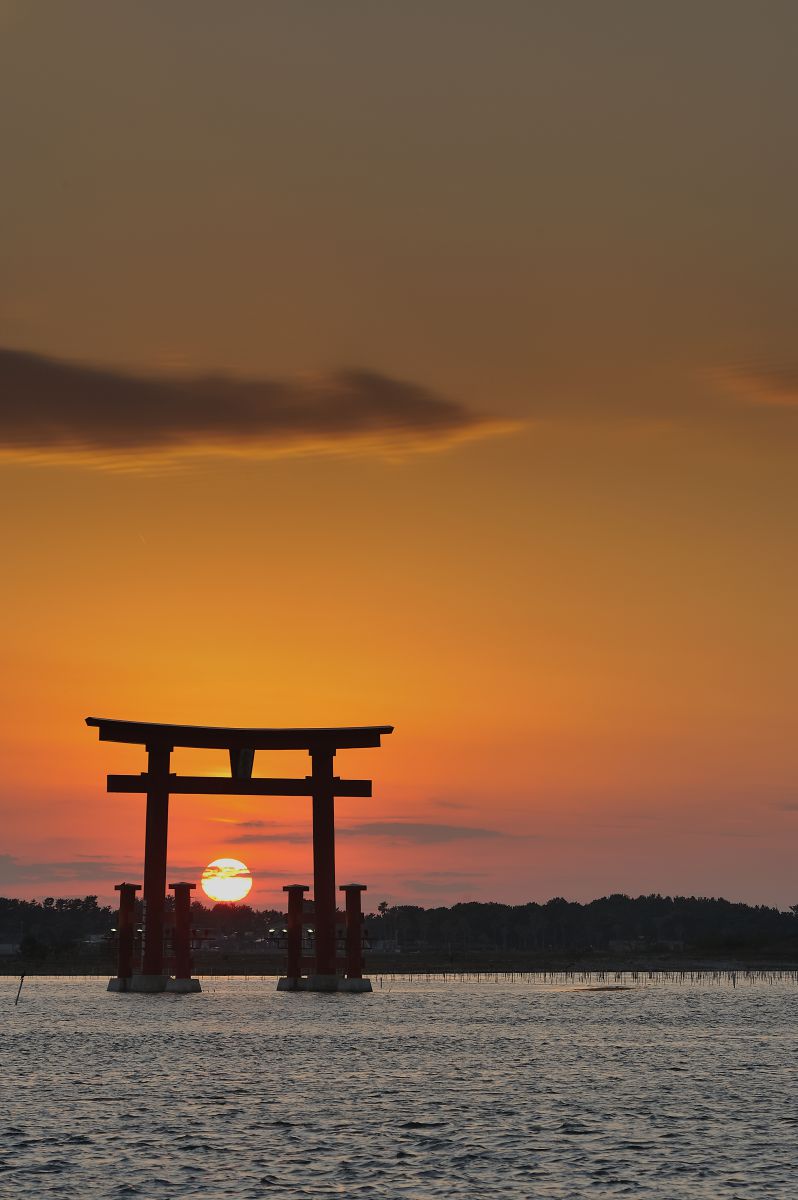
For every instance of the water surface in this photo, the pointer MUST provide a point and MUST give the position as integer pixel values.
(421, 1090)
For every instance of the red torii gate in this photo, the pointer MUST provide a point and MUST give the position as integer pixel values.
(158, 783)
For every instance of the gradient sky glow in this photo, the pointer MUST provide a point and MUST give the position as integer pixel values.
(498, 303)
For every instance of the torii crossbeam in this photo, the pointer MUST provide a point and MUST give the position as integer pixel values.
(158, 782)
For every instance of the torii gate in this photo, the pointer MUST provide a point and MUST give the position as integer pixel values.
(158, 783)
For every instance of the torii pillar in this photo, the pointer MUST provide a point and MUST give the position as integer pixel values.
(182, 981)
(152, 976)
(322, 783)
(354, 937)
(296, 892)
(125, 933)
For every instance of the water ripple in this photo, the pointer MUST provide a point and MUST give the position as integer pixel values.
(427, 1091)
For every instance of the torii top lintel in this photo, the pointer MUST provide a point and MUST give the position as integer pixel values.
(145, 733)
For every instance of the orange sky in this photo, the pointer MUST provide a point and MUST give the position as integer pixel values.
(561, 563)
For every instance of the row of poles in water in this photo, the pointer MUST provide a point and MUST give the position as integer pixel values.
(729, 978)
(627, 978)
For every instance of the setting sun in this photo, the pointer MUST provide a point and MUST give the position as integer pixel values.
(226, 879)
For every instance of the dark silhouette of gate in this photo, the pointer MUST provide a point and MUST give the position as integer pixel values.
(158, 783)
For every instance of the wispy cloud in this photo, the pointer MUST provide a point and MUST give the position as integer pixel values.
(265, 839)
(83, 868)
(761, 385)
(433, 883)
(261, 833)
(428, 885)
(55, 410)
(419, 833)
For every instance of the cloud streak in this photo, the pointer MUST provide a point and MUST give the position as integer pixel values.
(266, 839)
(96, 868)
(757, 385)
(54, 410)
(418, 833)
(266, 832)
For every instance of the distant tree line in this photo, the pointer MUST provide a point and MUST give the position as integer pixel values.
(39, 927)
(43, 928)
(616, 924)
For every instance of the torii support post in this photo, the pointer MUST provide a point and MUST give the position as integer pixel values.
(354, 929)
(155, 838)
(125, 928)
(323, 791)
(296, 893)
(182, 981)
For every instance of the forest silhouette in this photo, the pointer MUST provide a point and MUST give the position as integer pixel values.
(55, 929)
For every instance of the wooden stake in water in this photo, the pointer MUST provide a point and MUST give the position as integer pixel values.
(19, 989)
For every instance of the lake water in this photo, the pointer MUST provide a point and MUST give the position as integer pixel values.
(422, 1089)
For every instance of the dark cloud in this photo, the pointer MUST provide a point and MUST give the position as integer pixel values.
(432, 883)
(268, 831)
(414, 889)
(264, 839)
(82, 868)
(53, 409)
(418, 832)
(452, 875)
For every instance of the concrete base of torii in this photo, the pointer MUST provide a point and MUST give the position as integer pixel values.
(139, 983)
(153, 983)
(183, 985)
(323, 983)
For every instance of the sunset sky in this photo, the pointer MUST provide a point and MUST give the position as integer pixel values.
(424, 364)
